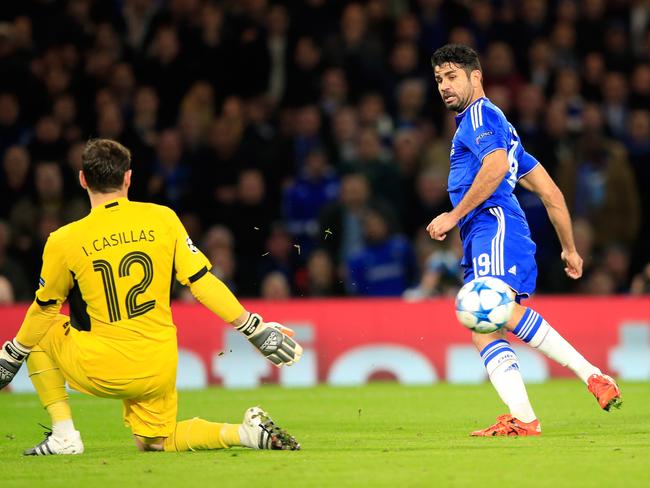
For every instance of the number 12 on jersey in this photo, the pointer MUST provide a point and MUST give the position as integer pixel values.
(133, 309)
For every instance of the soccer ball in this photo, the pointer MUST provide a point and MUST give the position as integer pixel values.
(485, 304)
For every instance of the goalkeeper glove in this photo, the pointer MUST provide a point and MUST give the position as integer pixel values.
(272, 340)
(12, 356)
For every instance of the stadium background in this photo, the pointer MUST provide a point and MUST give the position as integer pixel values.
(304, 143)
(305, 148)
(248, 117)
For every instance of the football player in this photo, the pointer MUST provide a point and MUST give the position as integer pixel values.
(116, 268)
(487, 161)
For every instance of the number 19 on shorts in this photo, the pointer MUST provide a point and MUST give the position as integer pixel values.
(481, 264)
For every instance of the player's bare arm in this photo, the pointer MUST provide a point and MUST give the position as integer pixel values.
(539, 182)
(491, 174)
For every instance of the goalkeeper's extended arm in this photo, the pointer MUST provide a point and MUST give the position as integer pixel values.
(37, 322)
(270, 338)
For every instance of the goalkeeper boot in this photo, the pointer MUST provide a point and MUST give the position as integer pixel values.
(509, 426)
(606, 391)
(258, 431)
(69, 444)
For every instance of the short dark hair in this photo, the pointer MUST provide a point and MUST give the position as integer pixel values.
(457, 54)
(104, 163)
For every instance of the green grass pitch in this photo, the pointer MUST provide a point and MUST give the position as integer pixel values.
(378, 435)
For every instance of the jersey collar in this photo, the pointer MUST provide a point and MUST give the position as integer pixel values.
(115, 202)
(460, 116)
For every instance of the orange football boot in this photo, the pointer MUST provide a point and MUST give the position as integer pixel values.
(606, 391)
(507, 425)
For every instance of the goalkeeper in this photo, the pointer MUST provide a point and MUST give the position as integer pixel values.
(115, 268)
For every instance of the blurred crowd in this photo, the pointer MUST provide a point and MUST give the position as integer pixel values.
(303, 143)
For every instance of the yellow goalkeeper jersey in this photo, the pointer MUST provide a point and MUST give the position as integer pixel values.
(116, 268)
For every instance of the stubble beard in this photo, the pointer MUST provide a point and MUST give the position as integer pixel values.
(462, 102)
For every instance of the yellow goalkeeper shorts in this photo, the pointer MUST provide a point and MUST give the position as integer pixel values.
(99, 369)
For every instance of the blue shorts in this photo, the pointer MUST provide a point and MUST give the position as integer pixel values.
(497, 243)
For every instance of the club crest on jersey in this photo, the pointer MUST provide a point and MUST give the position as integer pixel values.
(191, 245)
(482, 135)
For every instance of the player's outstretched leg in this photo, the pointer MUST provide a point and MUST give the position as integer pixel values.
(503, 370)
(531, 328)
(606, 391)
(50, 386)
(257, 431)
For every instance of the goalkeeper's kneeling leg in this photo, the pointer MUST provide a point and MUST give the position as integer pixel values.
(197, 435)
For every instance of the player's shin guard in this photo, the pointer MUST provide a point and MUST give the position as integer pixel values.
(197, 434)
(537, 332)
(503, 369)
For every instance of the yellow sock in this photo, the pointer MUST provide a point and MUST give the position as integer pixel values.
(198, 434)
(230, 434)
(59, 411)
(50, 386)
(46, 377)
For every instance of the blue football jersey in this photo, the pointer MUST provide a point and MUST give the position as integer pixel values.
(482, 128)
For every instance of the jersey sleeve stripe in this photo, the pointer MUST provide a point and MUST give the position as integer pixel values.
(476, 113)
(491, 151)
(524, 174)
(472, 112)
(45, 303)
(198, 275)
